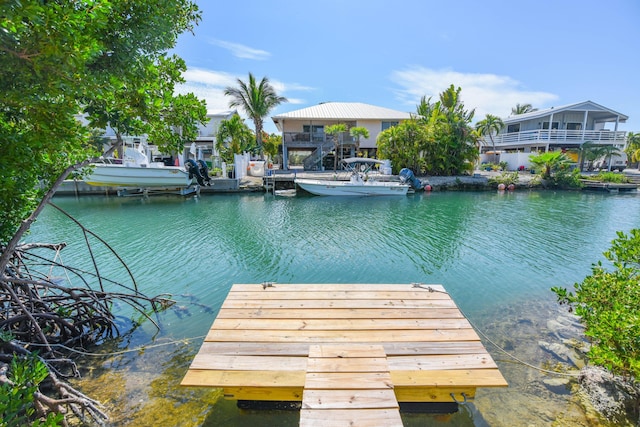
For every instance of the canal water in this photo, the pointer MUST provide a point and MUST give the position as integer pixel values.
(497, 253)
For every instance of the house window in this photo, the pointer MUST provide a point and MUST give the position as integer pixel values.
(513, 128)
(387, 125)
(554, 125)
(574, 126)
(313, 128)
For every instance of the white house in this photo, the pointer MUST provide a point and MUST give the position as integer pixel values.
(303, 133)
(556, 128)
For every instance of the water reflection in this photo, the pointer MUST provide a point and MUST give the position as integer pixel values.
(496, 253)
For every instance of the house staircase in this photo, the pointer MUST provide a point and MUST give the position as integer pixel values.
(314, 160)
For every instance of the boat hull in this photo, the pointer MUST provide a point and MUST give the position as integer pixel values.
(108, 175)
(347, 188)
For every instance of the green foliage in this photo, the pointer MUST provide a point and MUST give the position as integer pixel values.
(505, 178)
(549, 162)
(440, 141)
(335, 131)
(257, 99)
(234, 137)
(403, 144)
(633, 146)
(617, 178)
(608, 301)
(271, 144)
(490, 125)
(107, 59)
(17, 399)
(566, 178)
(359, 132)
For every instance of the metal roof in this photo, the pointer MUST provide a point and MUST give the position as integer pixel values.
(344, 111)
(600, 112)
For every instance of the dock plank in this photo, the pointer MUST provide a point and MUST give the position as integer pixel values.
(339, 313)
(349, 399)
(342, 336)
(346, 303)
(350, 418)
(336, 324)
(351, 350)
(302, 349)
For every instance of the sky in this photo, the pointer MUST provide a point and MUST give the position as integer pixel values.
(546, 53)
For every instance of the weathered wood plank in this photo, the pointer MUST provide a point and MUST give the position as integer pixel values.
(289, 394)
(340, 313)
(343, 336)
(327, 287)
(350, 303)
(350, 417)
(349, 399)
(343, 351)
(298, 349)
(352, 380)
(334, 324)
(247, 363)
(336, 295)
(449, 378)
(264, 378)
(438, 362)
(347, 364)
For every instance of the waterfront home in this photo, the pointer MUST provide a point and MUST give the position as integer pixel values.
(206, 140)
(305, 143)
(557, 128)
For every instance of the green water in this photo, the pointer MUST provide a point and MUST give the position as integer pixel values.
(496, 253)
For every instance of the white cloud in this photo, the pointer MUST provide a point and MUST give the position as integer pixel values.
(210, 85)
(241, 51)
(487, 93)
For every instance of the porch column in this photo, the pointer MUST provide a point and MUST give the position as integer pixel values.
(285, 152)
(584, 124)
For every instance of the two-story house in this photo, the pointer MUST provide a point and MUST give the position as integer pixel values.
(305, 143)
(558, 128)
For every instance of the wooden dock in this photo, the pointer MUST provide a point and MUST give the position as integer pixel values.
(346, 351)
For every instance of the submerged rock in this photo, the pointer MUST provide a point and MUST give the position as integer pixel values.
(616, 398)
(564, 353)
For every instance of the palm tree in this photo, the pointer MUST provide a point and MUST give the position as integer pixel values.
(522, 108)
(257, 100)
(233, 137)
(357, 132)
(609, 151)
(633, 147)
(488, 126)
(550, 161)
(335, 131)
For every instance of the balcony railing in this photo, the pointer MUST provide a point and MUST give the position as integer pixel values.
(557, 136)
(309, 139)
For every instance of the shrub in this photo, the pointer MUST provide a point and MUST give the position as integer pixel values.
(505, 178)
(617, 178)
(608, 303)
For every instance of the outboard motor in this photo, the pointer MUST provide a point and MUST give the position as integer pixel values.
(194, 170)
(204, 171)
(407, 176)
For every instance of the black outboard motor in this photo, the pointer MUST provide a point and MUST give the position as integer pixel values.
(204, 171)
(194, 170)
(407, 176)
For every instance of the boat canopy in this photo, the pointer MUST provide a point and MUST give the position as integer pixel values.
(364, 160)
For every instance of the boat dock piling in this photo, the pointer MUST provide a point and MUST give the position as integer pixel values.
(347, 353)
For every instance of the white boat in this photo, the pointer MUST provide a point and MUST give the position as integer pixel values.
(360, 183)
(134, 170)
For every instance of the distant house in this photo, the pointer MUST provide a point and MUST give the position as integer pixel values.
(206, 140)
(557, 128)
(303, 132)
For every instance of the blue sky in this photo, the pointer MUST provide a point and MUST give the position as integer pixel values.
(391, 53)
